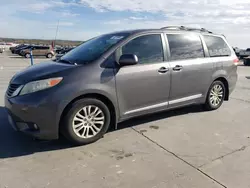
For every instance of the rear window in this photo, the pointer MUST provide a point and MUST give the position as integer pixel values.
(217, 47)
(185, 46)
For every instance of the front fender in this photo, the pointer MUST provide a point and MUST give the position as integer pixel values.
(107, 93)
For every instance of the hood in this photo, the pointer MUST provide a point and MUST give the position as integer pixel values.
(40, 71)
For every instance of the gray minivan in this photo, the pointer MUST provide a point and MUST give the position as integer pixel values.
(118, 76)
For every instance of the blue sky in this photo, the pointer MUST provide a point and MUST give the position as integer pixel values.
(82, 19)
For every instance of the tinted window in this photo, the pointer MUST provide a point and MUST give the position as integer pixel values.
(148, 48)
(37, 48)
(42, 47)
(94, 48)
(185, 46)
(217, 46)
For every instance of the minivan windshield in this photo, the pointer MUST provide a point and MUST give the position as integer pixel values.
(94, 48)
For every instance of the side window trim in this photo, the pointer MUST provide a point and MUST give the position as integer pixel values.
(118, 52)
(202, 44)
(205, 50)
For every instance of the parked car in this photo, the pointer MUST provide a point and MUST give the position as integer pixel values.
(1, 50)
(19, 49)
(58, 56)
(57, 49)
(16, 47)
(65, 50)
(119, 76)
(237, 51)
(38, 51)
(244, 53)
(246, 61)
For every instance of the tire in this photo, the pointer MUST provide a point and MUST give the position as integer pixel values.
(210, 103)
(27, 55)
(79, 137)
(49, 56)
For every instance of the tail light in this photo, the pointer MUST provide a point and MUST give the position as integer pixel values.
(236, 61)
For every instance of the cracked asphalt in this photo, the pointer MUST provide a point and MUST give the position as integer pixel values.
(182, 148)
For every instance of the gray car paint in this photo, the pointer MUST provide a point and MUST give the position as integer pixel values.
(138, 93)
(133, 90)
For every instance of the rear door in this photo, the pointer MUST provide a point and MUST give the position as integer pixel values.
(42, 50)
(45, 51)
(145, 87)
(191, 71)
(36, 51)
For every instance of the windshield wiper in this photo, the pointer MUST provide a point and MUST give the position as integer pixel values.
(66, 61)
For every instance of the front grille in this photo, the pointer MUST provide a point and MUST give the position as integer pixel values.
(11, 89)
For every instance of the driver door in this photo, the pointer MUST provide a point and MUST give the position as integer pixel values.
(145, 87)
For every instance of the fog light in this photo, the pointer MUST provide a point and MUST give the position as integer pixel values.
(22, 126)
(35, 127)
(27, 126)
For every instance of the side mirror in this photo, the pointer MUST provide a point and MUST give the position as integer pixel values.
(128, 59)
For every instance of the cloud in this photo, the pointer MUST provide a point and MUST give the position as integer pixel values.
(37, 7)
(40, 7)
(114, 22)
(137, 18)
(60, 24)
(212, 13)
(69, 14)
(66, 24)
(230, 17)
(156, 5)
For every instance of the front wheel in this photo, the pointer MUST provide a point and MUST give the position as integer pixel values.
(215, 96)
(86, 121)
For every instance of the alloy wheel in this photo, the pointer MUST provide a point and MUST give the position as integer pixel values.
(216, 95)
(88, 121)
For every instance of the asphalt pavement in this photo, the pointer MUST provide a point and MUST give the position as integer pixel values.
(183, 148)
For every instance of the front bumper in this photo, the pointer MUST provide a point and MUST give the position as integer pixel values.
(34, 115)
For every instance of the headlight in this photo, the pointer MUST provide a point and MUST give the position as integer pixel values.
(40, 85)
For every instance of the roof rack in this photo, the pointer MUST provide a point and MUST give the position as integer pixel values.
(183, 28)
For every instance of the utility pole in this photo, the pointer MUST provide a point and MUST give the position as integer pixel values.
(56, 32)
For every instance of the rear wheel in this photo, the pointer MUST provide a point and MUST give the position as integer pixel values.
(49, 56)
(27, 55)
(215, 96)
(86, 121)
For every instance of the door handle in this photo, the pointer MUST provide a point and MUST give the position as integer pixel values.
(163, 70)
(177, 68)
